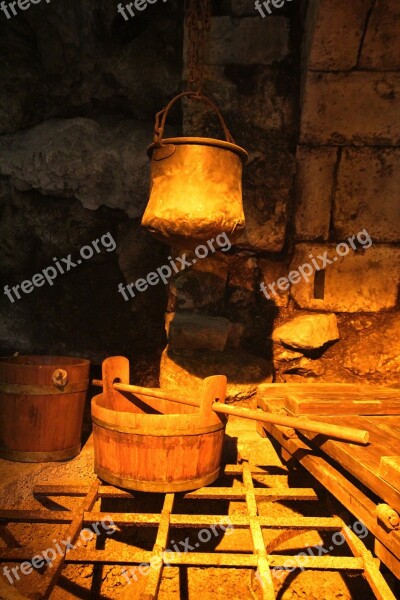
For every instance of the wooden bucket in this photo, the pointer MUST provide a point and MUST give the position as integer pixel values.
(152, 445)
(42, 399)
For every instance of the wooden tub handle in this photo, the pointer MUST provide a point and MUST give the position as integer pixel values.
(60, 378)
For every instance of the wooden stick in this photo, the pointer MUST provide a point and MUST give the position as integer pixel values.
(152, 392)
(349, 434)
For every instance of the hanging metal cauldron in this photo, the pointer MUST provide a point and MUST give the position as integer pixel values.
(196, 185)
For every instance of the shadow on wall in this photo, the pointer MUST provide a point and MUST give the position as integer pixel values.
(230, 334)
(84, 87)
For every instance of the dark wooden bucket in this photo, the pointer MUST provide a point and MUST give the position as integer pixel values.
(152, 445)
(42, 399)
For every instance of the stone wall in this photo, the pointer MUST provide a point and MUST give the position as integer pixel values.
(347, 182)
(341, 322)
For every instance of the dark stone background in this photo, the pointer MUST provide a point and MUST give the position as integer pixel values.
(80, 90)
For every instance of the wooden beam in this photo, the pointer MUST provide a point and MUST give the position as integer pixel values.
(362, 507)
(389, 470)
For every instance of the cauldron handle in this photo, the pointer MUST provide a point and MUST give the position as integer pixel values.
(161, 116)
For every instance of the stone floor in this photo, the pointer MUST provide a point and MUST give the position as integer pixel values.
(84, 582)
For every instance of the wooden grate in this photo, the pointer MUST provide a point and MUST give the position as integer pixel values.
(259, 560)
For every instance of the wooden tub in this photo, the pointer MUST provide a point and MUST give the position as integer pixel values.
(42, 399)
(152, 445)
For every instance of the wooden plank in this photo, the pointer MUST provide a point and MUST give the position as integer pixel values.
(360, 505)
(388, 426)
(239, 493)
(336, 563)
(372, 574)
(333, 391)
(153, 579)
(389, 470)
(379, 438)
(200, 521)
(300, 406)
(387, 557)
(128, 556)
(214, 559)
(259, 549)
(333, 398)
(362, 462)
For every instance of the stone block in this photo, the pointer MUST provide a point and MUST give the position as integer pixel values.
(285, 355)
(315, 181)
(308, 332)
(272, 166)
(244, 371)
(253, 100)
(243, 272)
(241, 291)
(202, 287)
(381, 47)
(376, 353)
(266, 216)
(248, 41)
(304, 367)
(365, 280)
(359, 108)
(337, 35)
(367, 194)
(192, 331)
(270, 272)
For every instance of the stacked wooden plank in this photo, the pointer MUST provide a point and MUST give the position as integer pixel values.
(389, 469)
(333, 398)
(373, 408)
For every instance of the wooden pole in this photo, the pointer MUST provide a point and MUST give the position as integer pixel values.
(151, 392)
(349, 434)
